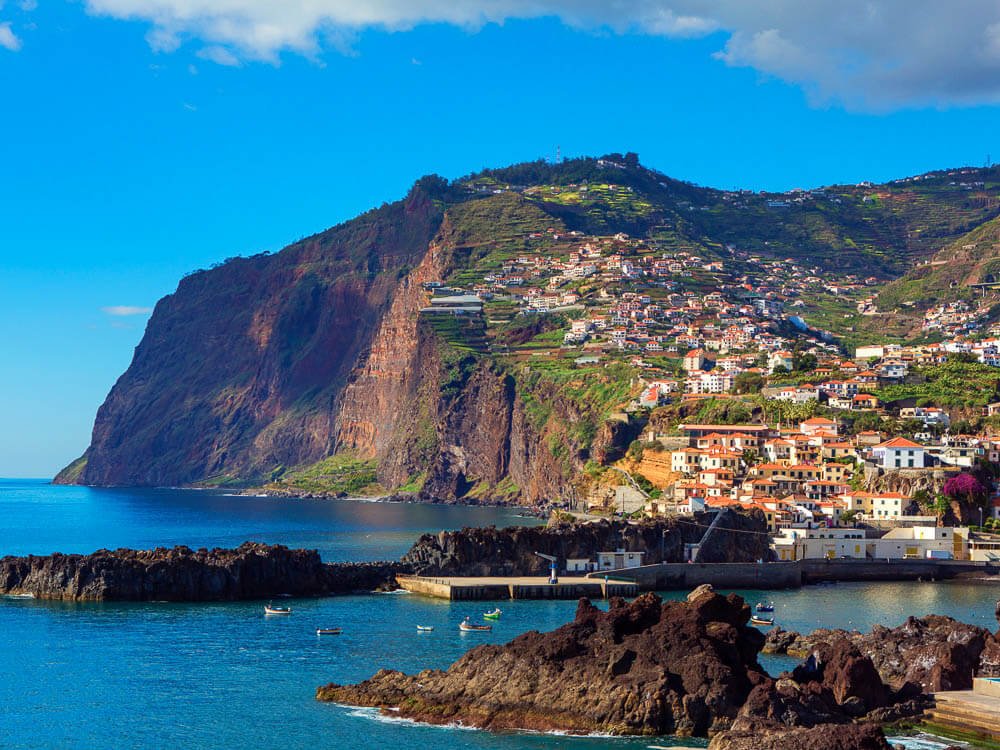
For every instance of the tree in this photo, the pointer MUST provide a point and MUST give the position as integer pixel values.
(964, 486)
(803, 362)
(748, 382)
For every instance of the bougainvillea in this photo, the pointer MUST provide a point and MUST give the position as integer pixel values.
(964, 486)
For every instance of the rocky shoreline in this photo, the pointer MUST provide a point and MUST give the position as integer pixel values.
(650, 667)
(251, 571)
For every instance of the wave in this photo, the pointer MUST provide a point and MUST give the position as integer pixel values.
(377, 714)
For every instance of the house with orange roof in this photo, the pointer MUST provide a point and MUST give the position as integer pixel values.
(836, 449)
(817, 424)
(780, 361)
(864, 401)
(900, 453)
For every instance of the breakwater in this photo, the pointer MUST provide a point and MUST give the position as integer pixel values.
(785, 575)
(251, 571)
(492, 588)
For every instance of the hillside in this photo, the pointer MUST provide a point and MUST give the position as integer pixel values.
(973, 258)
(319, 368)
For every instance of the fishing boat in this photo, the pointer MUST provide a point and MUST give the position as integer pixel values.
(425, 628)
(765, 606)
(328, 631)
(755, 620)
(494, 614)
(467, 626)
(270, 609)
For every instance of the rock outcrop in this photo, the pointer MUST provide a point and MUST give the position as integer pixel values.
(251, 571)
(843, 737)
(927, 654)
(683, 667)
(511, 551)
(645, 667)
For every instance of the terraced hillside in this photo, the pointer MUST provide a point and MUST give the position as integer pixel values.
(321, 365)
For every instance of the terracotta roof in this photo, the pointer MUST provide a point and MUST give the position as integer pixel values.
(899, 442)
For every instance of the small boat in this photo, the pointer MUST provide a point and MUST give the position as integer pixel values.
(754, 620)
(270, 609)
(467, 626)
(765, 606)
(494, 614)
(425, 628)
(328, 631)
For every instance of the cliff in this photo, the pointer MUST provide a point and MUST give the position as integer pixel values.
(251, 571)
(511, 551)
(646, 668)
(240, 369)
(257, 371)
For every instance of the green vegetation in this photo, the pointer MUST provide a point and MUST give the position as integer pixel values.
(333, 475)
(71, 474)
(954, 383)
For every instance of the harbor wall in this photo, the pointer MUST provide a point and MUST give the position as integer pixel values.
(668, 576)
(784, 575)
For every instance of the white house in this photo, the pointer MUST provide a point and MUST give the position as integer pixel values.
(899, 453)
(618, 560)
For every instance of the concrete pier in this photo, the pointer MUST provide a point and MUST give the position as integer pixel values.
(459, 588)
(970, 713)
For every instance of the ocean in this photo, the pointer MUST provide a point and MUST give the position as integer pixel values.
(130, 675)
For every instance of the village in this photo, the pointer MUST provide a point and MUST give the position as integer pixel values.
(728, 326)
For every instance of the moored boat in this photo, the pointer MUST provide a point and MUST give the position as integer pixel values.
(328, 631)
(467, 626)
(493, 614)
(425, 628)
(270, 609)
(765, 606)
(755, 620)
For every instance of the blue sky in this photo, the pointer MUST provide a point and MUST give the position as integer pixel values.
(139, 142)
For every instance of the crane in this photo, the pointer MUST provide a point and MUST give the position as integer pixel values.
(553, 566)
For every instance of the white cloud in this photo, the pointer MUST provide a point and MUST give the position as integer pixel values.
(8, 39)
(28, 5)
(867, 54)
(121, 311)
(219, 55)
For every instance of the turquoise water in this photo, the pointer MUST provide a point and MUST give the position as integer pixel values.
(103, 676)
(37, 518)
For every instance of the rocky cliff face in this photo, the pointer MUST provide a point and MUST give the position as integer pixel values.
(276, 362)
(251, 571)
(511, 551)
(241, 369)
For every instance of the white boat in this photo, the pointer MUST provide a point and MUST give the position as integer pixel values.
(755, 620)
(270, 609)
(425, 628)
(18, 596)
(467, 626)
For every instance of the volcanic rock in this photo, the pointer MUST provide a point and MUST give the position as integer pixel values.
(645, 667)
(844, 737)
(932, 653)
(511, 551)
(251, 571)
